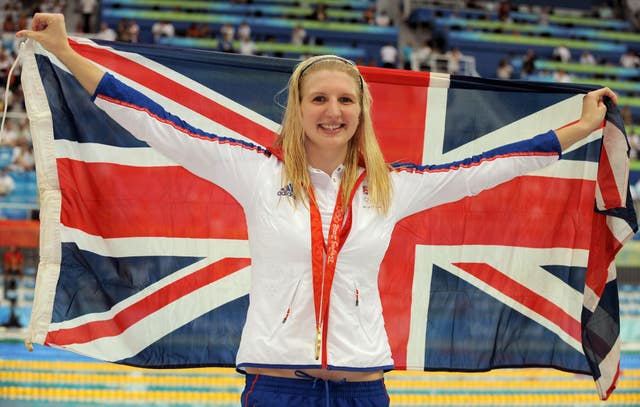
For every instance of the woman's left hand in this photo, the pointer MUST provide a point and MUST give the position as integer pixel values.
(594, 108)
(593, 112)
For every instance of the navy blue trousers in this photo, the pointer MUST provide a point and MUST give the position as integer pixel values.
(269, 391)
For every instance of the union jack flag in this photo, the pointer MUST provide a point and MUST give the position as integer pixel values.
(143, 263)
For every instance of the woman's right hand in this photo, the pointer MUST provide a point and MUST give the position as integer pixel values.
(50, 31)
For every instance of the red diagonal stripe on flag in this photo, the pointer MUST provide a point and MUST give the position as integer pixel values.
(177, 92)
(146, 306)
(523, 295)
(607, 182)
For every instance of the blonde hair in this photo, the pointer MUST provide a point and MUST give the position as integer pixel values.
(363, 146)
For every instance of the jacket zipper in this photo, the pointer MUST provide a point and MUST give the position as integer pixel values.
(321, 334)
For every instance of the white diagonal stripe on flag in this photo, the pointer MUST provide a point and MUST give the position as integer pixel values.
(166, 320)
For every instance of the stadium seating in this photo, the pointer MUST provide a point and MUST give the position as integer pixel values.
(254, 9)
(19, 204)
(270, 48)
(535, 29)
(583, 70)
(6, 155)
(424, 15)
(480, 33)
(23, 296)
(271, 22)
(490, 48)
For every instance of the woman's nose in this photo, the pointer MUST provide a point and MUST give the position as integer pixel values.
(333, 107)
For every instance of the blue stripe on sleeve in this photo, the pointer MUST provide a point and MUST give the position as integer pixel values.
(111, 87)
(543, 144)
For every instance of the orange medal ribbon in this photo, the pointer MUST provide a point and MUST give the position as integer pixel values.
(324, 257)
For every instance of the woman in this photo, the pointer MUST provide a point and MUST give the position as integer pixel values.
(320, 209)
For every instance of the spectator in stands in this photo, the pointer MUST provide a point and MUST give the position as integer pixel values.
(134, 31)
(122, 31)
(6, 60)
(528, 64)
(8, 8)
(225, 43)
(9, 96)
(420, 57)
(298, 35)
(24, 132)
(369, 15)
(87, 8)
(587, 58)
(128, 31)
(228, 31)
(319, 12)
(16, 104)
(205, 30)
(562, 53)
(23, 22)
(603, 10)
(7, 184)
(54, 6)
(161, 29)
(8, 25)
(504, 69)
(629, 60)
(26, 161)
(9, 135)
(389, 55)
(13, 272)
(5, 51)
(383, 19)
(192, 31)
(454, 56)
(13, 263)
(106, 33)
(247, 47)
(543, 16)
(634, 153)
(407, 50)
(561, 76)
(504, 11)
(244, 31)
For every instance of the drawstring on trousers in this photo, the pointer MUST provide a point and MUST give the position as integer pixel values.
(306, 376)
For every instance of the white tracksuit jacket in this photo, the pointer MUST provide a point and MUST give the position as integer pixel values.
(279, 233)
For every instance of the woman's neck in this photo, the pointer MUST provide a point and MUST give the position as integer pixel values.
(326, 161)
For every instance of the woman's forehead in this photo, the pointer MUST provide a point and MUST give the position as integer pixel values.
(327, 78)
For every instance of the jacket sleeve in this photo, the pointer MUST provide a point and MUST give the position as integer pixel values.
(417, 188)
(230, 163)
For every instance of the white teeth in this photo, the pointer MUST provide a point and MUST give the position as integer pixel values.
(330, 127)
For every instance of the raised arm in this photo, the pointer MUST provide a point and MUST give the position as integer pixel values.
(229, 163)
(50, 31)
(593, 112)
(450, 182)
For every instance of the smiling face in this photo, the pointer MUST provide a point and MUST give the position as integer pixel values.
(330, 110)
